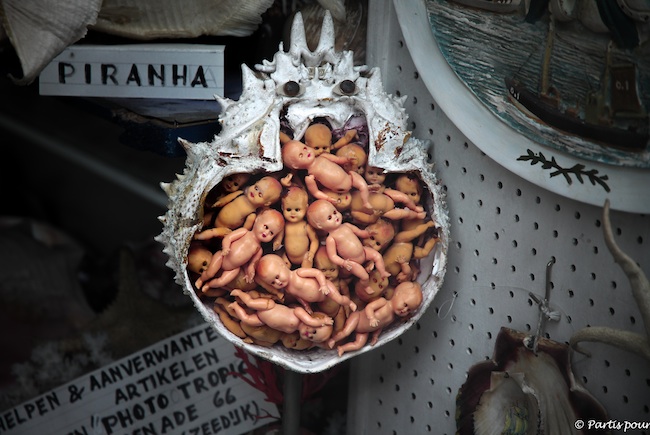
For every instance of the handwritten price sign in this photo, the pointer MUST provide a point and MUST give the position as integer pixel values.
(184, 384)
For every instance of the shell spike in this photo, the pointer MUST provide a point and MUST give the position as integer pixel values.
(167, 187)
(326, 41)
(298, 39)
(223, 102)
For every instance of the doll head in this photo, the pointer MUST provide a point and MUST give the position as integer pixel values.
(322, 215)
(264, 192)
(294, 204)
(272, 270)
(297, 155)
(410, 185)
(234, 182)
(407, 298)
(268, 224)
(198, 258)
(374, 175)
(318, 137)
(323, 263)
(294, 341)
(316, 334)
(355, 151)
(381, 234)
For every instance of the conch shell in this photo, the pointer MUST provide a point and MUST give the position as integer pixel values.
(525, 393)
(249, 143)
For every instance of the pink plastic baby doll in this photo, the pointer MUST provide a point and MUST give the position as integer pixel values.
(240, 211)
(300, 239)
(343, 245)
(239, 248)
(307, 285)
(319, 137)
(377, 315)
(316, 328)
(325, 169)
(381, 234)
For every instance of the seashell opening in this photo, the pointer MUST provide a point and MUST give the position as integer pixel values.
(247, 175)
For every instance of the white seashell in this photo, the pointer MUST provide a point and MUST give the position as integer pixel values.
(151, 19)
(249, 142)
(40, 29)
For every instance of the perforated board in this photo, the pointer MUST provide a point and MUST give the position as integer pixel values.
(504, 231)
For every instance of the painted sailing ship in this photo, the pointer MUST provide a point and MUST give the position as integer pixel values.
(613, 115)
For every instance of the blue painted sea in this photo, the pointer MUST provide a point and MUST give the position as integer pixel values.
(484, 47)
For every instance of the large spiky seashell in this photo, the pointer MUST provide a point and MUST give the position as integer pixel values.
(39, 29)
(520, 392)
(151, 19)
(249, 143)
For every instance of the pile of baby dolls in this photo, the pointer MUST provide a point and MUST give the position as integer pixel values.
(326, 250)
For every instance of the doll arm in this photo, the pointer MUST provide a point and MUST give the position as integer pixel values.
(314, 244)
(310, 272)
(284, 138)
(364, 234)
(371, 308)
(227, 199)
(277, 241)
(211, 233)
(305, 318)
(421, 252)
(346, 139)
(230, 238)
(403, 198)
(250, 272)
(339, 160)
(332, 254)
(410, 235)
(250, 221)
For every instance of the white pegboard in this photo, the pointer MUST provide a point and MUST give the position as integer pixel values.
(504, 230)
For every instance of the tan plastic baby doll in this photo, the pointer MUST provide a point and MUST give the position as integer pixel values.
(377, 315)
(398, 256)
(383, 201)
(319, 137)
(307, 285)
(316, 328)
(240, 211)
(377, 283)
(324, 169)
(343, 245)
(300, 239)
(228, 189)
(239, 248)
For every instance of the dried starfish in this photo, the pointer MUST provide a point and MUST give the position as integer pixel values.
(626, 340)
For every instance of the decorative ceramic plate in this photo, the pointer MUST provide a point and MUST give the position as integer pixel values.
(465, 54)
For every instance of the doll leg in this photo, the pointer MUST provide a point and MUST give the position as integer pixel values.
(241, 314)
(360, 340)
(231, 324)
(421, 252)
(404, 213)
(212, 232)
(339, 298)
(349, 327)
(378, 259)
(360, 183)
(211, 270)
(254, 303)
(226, 278)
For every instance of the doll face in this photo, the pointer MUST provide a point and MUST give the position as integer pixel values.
(407, 299)
(325, 265)
(324, 216)
(377, 283)
(315, 334)
(234, 182)
(268, 225)
(319, 137)
(409, 186)
(382, 234)
(297, 155)
(374, 175)
(265, 192)
(294, 206)
(198, 259)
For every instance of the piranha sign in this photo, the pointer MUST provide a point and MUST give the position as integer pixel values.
(171, 71)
